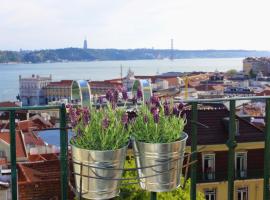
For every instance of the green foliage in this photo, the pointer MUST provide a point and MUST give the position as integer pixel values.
(134, 192)
(169, 127)
(99, 129)
(231, 72)
(79, 54)
(252, 74)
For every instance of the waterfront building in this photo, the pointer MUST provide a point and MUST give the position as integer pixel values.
(101, 87)
(31, 89)
(255, 65)
(129, 80)
(56, 91)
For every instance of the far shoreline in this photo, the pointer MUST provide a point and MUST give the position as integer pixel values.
(81, 61)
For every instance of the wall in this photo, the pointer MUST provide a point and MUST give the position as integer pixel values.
(255, 188)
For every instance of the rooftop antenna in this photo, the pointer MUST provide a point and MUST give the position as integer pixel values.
(121, 73)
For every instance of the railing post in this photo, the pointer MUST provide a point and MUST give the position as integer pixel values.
(194, 150)
(64, 152)
(231, 143)
(12, 129)
(153, 196)
(266, 195)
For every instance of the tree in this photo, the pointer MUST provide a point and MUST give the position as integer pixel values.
(231, 72)
(252, 74)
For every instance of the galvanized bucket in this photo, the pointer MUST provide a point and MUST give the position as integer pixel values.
(160, 164)
(96, 172)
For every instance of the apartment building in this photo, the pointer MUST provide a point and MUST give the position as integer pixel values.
(213, 155)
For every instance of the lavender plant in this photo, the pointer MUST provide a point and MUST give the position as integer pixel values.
(99, 129)
(159, 122)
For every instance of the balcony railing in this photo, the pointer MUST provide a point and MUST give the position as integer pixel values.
(223, 176)
(231, 143)
(240, 174)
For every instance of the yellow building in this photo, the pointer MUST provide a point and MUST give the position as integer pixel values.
(55, 91)
(213, 155)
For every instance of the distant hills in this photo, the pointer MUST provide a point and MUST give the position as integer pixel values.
(78, 54)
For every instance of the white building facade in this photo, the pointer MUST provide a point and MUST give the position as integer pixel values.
(129, 80)
(31, 89)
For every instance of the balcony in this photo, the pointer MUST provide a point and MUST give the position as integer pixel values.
(223, 176)
(229, 176)
(241, 174)
(208, 176)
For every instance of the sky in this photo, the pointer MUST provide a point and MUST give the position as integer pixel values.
(123, 24)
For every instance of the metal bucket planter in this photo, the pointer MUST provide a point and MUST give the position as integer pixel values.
(96, 172)
(160, 164)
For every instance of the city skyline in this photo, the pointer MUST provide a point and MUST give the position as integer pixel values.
(123, 24)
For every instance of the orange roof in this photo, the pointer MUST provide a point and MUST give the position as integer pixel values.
(25, 125)
(42, 157)
(263, 93)
(8, 104)
(61, 83)
(39, 171)
(32, 139)
(104, 84)
(172, 81)
(20, 148)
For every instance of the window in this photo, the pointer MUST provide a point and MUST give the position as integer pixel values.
(209, 166)
(210, 194)
(2, 154)
(237, 133)
(242, 193)
(241, 164)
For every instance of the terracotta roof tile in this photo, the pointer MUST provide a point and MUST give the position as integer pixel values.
(8, 104)
(20, 148)
(217, 132)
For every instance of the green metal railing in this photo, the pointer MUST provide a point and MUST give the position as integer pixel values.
(231, 143)
(63, 146)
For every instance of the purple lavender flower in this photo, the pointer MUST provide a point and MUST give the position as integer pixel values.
(73, 117)
(156, 117)
(125, 118)
(105, 123)
(153, 110)
(124, 95)
(166, 109)
(68, 106)
(78, 111)
(175, 110)
(109, 95)
(115, 95)
(180, 106)
(86, 116)
(154, 100)
(139, 93)
(145, 119)
(100, 99)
